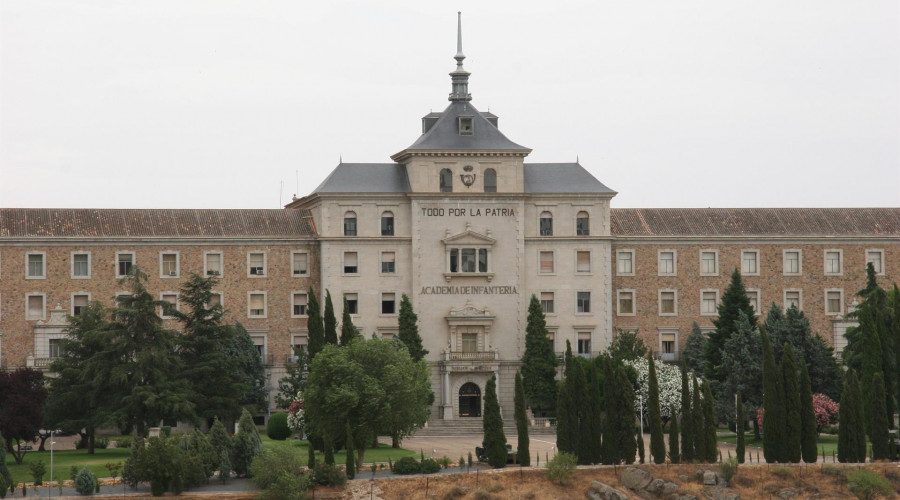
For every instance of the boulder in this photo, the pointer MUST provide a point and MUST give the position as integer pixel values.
(602, 491)
(787, 493)
(709, 478)
(719, 493)
(668, 488)
(635, 479)
(655, 486)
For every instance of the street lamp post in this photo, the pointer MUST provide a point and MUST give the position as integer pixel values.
(49, 488)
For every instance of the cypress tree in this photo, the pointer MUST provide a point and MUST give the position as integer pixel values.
(408, 330)
(641, 447)
(740, 420)
(851, 431)
(494, 442)
(538, 361)
(581, 398)
(523, 453)
(611, 400)
(807, 418)
(311, 456)
(687, 433)
(698, 436)
(674, 456)
(878, 424)
(351, 449)
(348, 329)
(625, 394)
(314, 326)
(592, 429)
(711, 450)
(733, 301)
(567, 409)
(657, 438)
(773, 421)
(329, 320)
(792, 426)
(329, 451)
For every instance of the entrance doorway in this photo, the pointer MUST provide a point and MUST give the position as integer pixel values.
(469, 400)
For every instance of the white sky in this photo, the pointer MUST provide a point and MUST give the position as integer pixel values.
(212, 104)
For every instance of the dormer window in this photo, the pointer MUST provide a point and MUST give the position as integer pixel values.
(446, 181)
(466, 127)
(490, 180)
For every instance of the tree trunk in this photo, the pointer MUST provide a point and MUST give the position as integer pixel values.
(360, 455)
(395, 440)
(90, 443)
(43, 439)
(374, 440)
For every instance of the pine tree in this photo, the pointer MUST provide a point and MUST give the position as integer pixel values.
(329, 320)
(523, 453)
(348, 329)
(698, 436)
(734, 300)
(674, 456)
(657, 438)
(740, 421)
(247, 444)
(314, 326)
(494, 442)
(792, 426)
(408, 331)
(878, 424)
(710, 441)
(851, 431)
(222, 443)
(626, 421)
(687, 431)
(694, 354)
(773, 419)
(351, 461)
(539, 361)
(808, 429)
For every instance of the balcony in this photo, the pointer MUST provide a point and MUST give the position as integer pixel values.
(667, 357)
(472, 356)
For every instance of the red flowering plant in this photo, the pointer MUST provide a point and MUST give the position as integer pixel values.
(826, 411)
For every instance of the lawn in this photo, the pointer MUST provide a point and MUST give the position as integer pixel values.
(380, 454)
(63, 462)
(826, 441)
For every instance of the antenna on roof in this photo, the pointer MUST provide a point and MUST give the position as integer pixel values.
(340, 159)
(576, 158)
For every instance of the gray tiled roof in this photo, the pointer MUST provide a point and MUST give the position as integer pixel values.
(561, 178)
(365, 178)
(444, 134)
(101, 223)
(755, 222)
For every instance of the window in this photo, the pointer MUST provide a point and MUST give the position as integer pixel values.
(753, 295)
(667, 262)
(546, 224)
(171, 304)
(351, 263)
(124, 262)
(625, 262)
(667, 303)
(388, 303)
(256, 305)
(168, 264)
(260, 342)
(298, 304)
(792, 262)
(546, 262)
(583, 302)
(709, 299)
(876, 258)
(387, 224)
(792, 299)
(35, 265)
(547, 302)
(299, 264)
(709, 263)
(81, 265)
(34, 306)
(352, 302)
(466, 126)
(833, 262)
(54, 347)
(584, 343)
(468, 260)
(256, 263)
(212, 263)
(582, 224)
(750, 262)
(551, 339)
(625, 302)
(388, 262)
(80, 302)
(490, 180)
(446, 179)
(216, 299)
(668, 344)
(350, 224)
(582, 261)
(834, 301)
(469, 342)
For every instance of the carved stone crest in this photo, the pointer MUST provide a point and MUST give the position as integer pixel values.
(469, 310)
(467, 178)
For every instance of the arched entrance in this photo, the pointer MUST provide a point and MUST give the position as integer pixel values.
(469, 400)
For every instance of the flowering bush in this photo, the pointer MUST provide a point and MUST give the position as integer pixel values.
(295, 414)
(759, 416)
(826, 410)
(669, 377)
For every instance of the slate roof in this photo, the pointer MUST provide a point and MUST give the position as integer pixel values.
(444, 134)
(100, 223)
(785, 222)
(561, 178)
(365, 178)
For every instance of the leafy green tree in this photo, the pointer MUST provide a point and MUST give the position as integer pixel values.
(734, 301)
(314, 326)
(851, 431)
(538, 362)
(878, 422)
(294, 380)
(699, 424)
(408, 331)
(657, 438)
(773, 405)
(674, 456)
(350, 463)
(792, 429)
(687, 429)
(348, 329)
(710, 441)
(808, 429)
(694, 354)
(247, 444)
(627, 346)
(248, 364)
(494, 442)
(739, 428)
(329, 320)
(523, 453)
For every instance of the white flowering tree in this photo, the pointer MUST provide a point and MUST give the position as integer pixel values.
(669, 377)
(295, 414)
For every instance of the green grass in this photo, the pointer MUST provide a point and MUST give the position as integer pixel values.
(63, 462)
(380, 454)
(828, 441)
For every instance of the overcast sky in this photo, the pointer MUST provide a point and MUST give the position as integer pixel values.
(213, 104)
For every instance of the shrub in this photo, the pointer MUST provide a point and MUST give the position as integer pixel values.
(831, 470)
(329, 475)
(246, 444)
(455, 491)
(85, 482)
(166, 463)
(287, 486)
(73, 472)
(561, 467)
(445, 462)
(407, 465)
(123, 442)
(38, 469)
(782, 472)
(729, 468)
(496, 487)
(430, 466)
(829, 429)
(866, 485)
(277, 427)
(481, 495)
(273, 462)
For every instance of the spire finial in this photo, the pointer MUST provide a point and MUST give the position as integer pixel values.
(459, 53)
(460, 77)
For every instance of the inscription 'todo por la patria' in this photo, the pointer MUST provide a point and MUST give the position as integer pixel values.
(471, 212)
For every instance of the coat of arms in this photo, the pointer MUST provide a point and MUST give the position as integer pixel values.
(468, 178)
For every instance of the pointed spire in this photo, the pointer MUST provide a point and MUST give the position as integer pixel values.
(459, 77)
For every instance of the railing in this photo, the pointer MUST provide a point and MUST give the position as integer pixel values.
(668, 357)
(560, 356)
(472, 356)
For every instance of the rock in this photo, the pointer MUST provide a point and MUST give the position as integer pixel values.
(719, 493)
(668, 488)
(787, 493)
(635, 479)
(655, 486)
(684, 477)
(709, 478)
(602, 491)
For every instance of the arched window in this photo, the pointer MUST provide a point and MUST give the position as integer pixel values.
(387, 224)
(582, 224)
(350, 224)
(446, 181)
(546, 224)
(490, 180)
